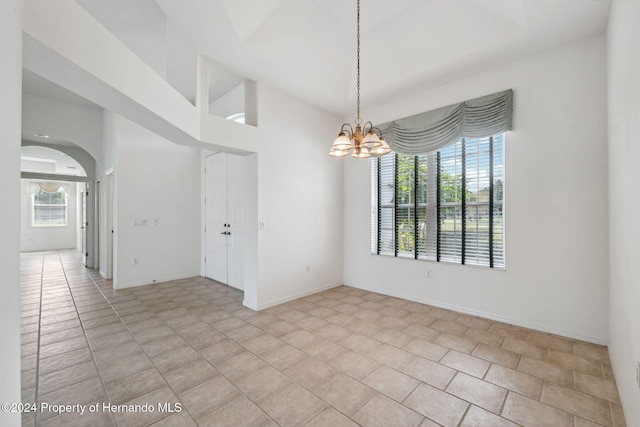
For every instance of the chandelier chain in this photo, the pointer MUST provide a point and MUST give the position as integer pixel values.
(358, 120)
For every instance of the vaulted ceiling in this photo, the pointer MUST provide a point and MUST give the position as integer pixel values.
(308, 47)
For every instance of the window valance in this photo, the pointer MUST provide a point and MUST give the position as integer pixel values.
(433, 130)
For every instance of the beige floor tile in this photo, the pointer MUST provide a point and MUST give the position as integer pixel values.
(426, 349)
(454, 342)
(278, 328)
(188, 376)
(344, 393)
(361, 343)
(160, 332)
(310, 372)
(84, 392)
(465, 363)
(437, 405)
(354, 364)
(394, 338)
(430, 372)
(483, 336)
(496, 355)
(478, 417)
(121, 368)
(263, 383)
(509, 330)
(448, 326)
(333, 332)
(357, 352)
(391, 383)
(221, 351)
(53, 337)
(143, 418)
(531, 413)
(208, 396)
(423, 332)
(240, 365)
(324, 350)
(392, 356)
(299, 338)
(65, 377)
(478, 392)
(578, 363)
(595, 386)
(577, 403)
(591, 351)
(284, 357)
(553, 342)
(381, 411)
(546, 371)
(157, 347)
(513, 380)
(524, 348)
(65, 360)
(238, 412)
(311, 323)
(262, 344)
(71, 419)
(294, 406)
(181, 419)
(60, 347)
(617, 415)
(330, 417)
(132, 386)
(117, 352)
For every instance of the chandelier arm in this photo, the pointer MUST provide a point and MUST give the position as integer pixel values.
(358, 120)
(346, 127)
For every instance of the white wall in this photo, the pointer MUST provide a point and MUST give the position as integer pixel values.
(80, 125)
(555, 193)
(230, 103)
(624, 224)
(299, 199)
(10, 132)
(155, 179)
(48, 238)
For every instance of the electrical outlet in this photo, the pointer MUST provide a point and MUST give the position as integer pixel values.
(308, 268)
(429, 274)
(135, 261)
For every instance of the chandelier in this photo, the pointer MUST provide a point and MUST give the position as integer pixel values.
(365, 140)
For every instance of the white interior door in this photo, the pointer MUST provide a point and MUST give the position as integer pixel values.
(235, 220)
(216, 217)
(224, 211)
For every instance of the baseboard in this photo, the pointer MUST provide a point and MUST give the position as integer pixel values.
(156, 281)
(291, 297)
(491, 316)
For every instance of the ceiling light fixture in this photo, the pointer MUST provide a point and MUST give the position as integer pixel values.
(366, 140)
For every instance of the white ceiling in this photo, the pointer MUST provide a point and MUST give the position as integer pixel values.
(47, 160)
(307, 47)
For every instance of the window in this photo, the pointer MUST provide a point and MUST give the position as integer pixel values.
(49, 208)
(446, 206)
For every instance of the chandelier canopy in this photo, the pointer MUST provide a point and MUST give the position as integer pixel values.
(363, 141)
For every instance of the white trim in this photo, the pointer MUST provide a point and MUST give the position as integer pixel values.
(258, 307)
(155, 281)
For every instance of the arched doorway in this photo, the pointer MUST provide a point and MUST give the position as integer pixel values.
(59, 200)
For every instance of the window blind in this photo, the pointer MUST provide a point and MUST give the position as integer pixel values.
(444, 206)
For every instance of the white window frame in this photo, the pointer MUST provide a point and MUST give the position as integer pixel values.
(54, 225)
(427, 241)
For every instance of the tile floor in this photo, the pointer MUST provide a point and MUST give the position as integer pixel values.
(343, 357)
